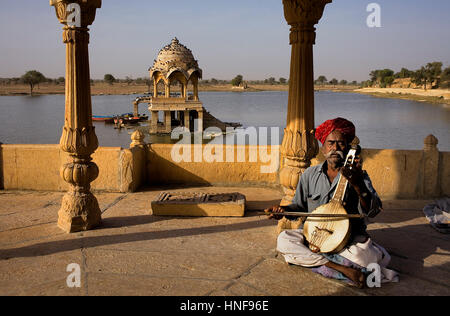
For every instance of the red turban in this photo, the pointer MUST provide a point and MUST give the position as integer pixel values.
(339, 124)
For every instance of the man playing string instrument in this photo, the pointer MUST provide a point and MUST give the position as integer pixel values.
(315, 188)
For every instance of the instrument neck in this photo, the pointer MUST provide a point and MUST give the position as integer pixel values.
(341, 187)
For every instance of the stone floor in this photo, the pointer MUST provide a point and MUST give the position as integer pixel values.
(135, 253)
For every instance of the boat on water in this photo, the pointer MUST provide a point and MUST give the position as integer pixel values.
(103, 118)
(125, 118)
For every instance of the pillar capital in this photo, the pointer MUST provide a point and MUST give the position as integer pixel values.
(430, 143)
(75, 35)
(88, 10)
(305, 13)
(302, 15)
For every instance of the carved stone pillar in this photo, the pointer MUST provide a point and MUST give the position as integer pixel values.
(168, 121)
(194, 81)
(155, 88)
(167, 90)
(299, 145)
(187, 119)
(79, 210)
(154, 122)
(200, 122)
(136, 109)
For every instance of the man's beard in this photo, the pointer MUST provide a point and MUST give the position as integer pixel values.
(335, 158)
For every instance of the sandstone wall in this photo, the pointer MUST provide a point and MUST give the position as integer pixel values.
(396, 174)
(248, 170)
(36, 167)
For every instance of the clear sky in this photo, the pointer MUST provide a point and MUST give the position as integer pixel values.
(248, 37)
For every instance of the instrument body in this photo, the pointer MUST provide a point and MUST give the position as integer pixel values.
(325, 234)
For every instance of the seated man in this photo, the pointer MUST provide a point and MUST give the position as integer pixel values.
(316, 187)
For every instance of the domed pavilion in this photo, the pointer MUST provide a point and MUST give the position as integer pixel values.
(175, 65)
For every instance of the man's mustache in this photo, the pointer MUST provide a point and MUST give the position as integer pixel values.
(335, 152)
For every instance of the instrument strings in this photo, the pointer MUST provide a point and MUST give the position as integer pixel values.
(324, 227)
(321, 233)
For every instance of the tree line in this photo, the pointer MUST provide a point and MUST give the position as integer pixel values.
(430, 75)
(322, 80)
(32, 78)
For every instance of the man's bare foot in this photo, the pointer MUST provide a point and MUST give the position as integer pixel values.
(353, 274)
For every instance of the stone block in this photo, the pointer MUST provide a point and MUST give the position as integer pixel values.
(199, 204)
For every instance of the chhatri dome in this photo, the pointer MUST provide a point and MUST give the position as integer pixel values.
(173, 58)
(175, 64)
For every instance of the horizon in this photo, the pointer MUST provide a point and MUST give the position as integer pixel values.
(252, 40)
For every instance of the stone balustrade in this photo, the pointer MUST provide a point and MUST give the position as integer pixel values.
(396, 174)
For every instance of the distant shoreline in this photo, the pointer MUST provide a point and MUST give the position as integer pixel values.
(435, 96)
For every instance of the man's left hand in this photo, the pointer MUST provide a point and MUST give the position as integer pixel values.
(354, 174)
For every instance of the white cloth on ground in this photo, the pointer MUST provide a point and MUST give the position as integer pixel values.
(291, 245)
(365, 252)
(438, 214)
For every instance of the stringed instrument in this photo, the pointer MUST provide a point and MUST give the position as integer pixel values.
(330, 233)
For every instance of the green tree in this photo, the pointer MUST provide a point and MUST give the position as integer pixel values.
(404, 73)
(433, 71)
(237, 80)
(445, 79)
(334, 81)
(271, 81)
(282, 80)
(109, 79)
(214, 81)
(148, 82)
(381, 77)
(387, 81)
(343, 82)
(128, 80)
(322, 80)
(367, 83)
(32, 78)
(420, 78)
(427, 74)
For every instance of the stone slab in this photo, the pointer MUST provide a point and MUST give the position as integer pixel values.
(107, 284)
(198, 204)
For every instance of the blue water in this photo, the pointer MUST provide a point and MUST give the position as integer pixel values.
(380, 123)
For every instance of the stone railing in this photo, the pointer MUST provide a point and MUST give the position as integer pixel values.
(396, 174)
(37, 167)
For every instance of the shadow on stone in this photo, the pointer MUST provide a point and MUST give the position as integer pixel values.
(170, 173)
(52, 247)
(128, 221)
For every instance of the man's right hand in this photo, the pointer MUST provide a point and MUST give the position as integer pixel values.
(275, 209)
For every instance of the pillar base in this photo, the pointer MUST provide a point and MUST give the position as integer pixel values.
(79, 212)
(289, 177)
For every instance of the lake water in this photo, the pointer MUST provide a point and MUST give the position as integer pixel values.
(380, 123)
